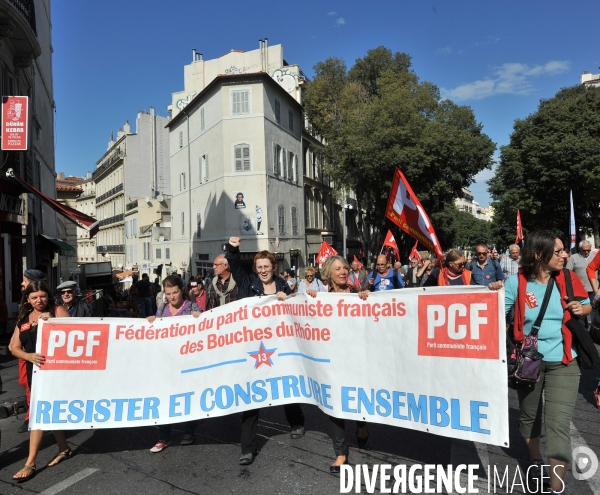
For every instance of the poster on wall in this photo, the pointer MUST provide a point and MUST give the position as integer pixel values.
(247, 225)
(14, 122)
(258, 219)
(240, 200)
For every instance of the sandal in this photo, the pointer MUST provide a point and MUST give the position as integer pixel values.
(61, 456)
(30, 470)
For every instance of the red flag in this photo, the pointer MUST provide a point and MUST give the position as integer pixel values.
(414, 253)
(405, 210)
(360, 265)
(390, 241)
(519, 228)
(325, 252)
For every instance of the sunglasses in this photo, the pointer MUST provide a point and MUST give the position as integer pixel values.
(68, 291)
(459, 265)
(479, 253)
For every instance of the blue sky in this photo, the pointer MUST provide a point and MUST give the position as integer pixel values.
(115, 58)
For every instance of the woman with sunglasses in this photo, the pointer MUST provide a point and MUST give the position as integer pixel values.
(262, 282)
(75, 305)
(453, 271)
(38, 304)
(310, 282)
(336, 270)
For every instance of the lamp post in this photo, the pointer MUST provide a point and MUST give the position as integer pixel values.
(344, 228)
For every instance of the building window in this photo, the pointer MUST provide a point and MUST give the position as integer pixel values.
(134, 230)
(242, 157)
(182, 223)
(291, 120)
(158, 253)
(181, 139)
(277, 111)
(202, 124)
(281, 219)
(284, 160)
(307, 209)
(240, 102)
(291, 165)
(127, 230)
(294, 220)
(276, 159)
(182, 181)
(167, 253)
(205, 167)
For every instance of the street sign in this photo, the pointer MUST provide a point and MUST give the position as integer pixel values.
(15, 119)
(74, 270)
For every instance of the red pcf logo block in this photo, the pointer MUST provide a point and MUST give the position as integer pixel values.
(75, 346)
(461, 325)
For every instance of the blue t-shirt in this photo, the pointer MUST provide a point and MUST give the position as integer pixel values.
(550, 341)
(386, 283)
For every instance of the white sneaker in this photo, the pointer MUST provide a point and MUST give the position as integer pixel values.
(161, 445)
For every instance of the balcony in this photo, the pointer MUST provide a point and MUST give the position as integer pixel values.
(132, 205)
(116, 248)
(105, 165)
(17, 23)
(87, 194)
(110, 193)
(108, 221)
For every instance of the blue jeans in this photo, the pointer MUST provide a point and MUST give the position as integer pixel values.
(145, 306)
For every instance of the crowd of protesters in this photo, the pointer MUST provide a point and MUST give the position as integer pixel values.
(538, 270)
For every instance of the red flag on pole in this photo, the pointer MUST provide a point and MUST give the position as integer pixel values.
(325, 252)
(414, 253)
(405, 210)
(519, 228)
(390, 241)
(360, 265)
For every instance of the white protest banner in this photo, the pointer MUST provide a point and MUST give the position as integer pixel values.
(429, 360)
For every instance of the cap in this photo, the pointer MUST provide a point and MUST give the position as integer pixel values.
(34, 275)
(67, 285)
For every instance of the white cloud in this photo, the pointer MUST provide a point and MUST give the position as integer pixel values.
(340, 21)
(509, 78)
(445, 50)
(331, 13)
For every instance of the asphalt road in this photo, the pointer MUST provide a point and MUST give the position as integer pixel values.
(118, 461)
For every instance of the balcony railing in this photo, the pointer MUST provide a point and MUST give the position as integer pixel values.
(108, 221)
(115, 248)
(27, 10)
(132, 205)
(110, 193)
(116, 155)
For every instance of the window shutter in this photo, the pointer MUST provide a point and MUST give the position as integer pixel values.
(277, 111)
(206, 168)
(291, 120)
(275, 159)
(291, 166)
(202, 126)
(238, 158)
(284, 156)
(246, 158)
(236, 102)
(245, 107)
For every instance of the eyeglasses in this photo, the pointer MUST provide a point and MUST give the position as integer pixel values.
(68, 291)
(309, 276)
(481, 253)
(586, 250)
(459, 265)
(559, 252)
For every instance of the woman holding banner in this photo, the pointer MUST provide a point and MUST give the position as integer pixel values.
(452, 272)
(542, 263)
(39, 304)
(177, 305)
(263, 282)
(336, 270)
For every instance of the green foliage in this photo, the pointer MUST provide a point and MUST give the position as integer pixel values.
(379, 116)
(552, 151)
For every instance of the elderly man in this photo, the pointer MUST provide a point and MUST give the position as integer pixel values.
(73, 302)
(510, 263)
(384, 277)
(357, 277)
(485, 270)
(579, 262)
(223, 288)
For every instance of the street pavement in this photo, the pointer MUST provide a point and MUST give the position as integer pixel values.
(118, 461)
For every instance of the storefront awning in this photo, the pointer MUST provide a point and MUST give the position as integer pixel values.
(65, 249)
(122, 275)
(84, 221)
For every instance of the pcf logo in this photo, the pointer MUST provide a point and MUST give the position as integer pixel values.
(81, 346)
(461, 325)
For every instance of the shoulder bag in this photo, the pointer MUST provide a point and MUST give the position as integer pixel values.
(525, 360)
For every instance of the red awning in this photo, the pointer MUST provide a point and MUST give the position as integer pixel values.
(84, 221)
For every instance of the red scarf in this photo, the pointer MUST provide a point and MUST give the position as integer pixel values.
(578, 292)
(444, 278)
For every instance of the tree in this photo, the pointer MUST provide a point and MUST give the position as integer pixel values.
(552, 151)
(379, 116)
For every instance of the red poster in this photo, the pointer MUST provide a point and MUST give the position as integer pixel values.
(15, 119)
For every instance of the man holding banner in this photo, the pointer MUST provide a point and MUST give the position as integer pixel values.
(384, 277)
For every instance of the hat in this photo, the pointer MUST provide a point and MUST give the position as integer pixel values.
(67, 285)
(34, 275)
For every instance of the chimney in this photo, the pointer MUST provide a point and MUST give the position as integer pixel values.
(194, 55)
(60, 176)
(127, 128)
